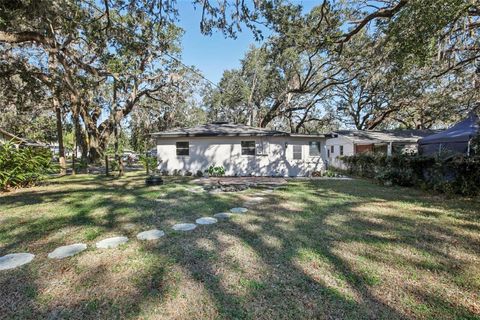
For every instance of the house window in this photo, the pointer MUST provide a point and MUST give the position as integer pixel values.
(332, 149)
(248, 148)
(297, 152)
(328, 153)
(314, 149)
(183, 148)
(341, 150)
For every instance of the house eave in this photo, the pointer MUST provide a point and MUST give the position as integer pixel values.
(192, 135)
(279, 134)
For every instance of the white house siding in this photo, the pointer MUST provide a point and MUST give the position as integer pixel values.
(276, 159)
(334, 158)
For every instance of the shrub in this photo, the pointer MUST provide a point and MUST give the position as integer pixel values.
(460, 174)
(216, 171)
(150, 161)
(24, 166)
(177, 172)
(330, 174)
(188, 173)
(199, 173)
(164, 172)
(80, 166)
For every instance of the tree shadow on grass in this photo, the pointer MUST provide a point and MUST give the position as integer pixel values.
(272, 263)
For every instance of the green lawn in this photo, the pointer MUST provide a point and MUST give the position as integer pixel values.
(326, 249)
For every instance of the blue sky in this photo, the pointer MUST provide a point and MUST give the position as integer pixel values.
(213, 54)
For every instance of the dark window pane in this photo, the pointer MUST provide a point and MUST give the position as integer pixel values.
(297, 152)
(183, 148)
(314, 148)
(332, 149)
(248, 148)
(341, 150)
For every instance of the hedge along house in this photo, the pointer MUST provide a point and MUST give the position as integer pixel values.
(350, 142)
(242, 150)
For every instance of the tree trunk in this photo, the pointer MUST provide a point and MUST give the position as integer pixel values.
(271, 114)
(61, 148)
(54, 87)
(81, 140)
(95, 151)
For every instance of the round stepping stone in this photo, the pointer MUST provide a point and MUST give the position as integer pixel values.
(222, 215)
(195, 189)
(111, 243)
(129, 226)
(255, 199)
(184, 226)
(67, 251)
(153, 234)
(238, 210)
(14, 260)
(206, 220)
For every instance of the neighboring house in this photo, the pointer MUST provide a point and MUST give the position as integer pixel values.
(7, 136)
(454, 140)
(350, 142)
(241, 150)
(19, 142)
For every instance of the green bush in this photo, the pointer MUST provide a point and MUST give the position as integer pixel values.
(216, 171)
(81, 166)
(23, 167)
(151, 162)
(460, 174)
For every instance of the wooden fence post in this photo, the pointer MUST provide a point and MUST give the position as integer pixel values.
(106, 166)
(148, 166)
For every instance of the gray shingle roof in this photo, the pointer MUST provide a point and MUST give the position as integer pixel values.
(219, 129)
(398, 136)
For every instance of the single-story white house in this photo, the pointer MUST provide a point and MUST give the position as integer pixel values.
(242, 150)
(350, 142)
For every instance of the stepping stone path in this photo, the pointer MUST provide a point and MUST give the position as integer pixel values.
(206, 220)
(238, 210)
(153, 234)
(255, 200)
(184, 226)
(67, 251)
(111, 243)
(129, 226)
(14, 260)
(196, 189)
(223, 215)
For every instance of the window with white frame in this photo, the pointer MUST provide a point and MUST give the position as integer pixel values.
(341, 150)
(297, 152)
(332, 149)
(314, 149)
(248, 148)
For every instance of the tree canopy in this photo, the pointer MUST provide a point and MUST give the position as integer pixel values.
(95, 68)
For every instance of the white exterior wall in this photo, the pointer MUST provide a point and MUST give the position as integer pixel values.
(276, 160)
(334, 158)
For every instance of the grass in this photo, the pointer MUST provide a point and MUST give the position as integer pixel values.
(326, 249)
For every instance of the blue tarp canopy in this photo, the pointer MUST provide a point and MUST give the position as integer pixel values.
(453, 140)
